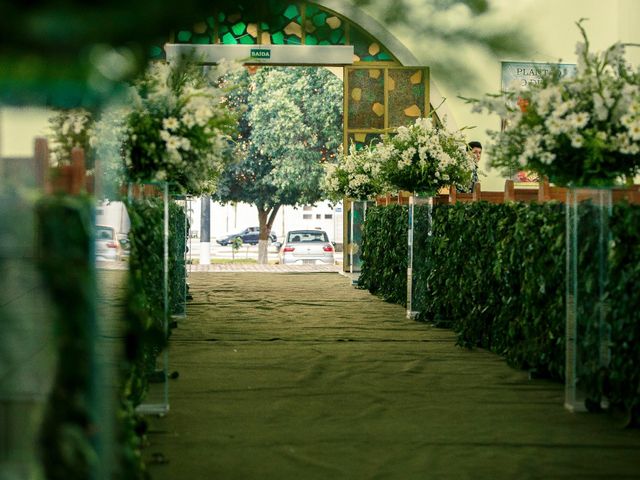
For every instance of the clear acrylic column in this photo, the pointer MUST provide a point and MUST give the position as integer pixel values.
(157, 399)
(587, 329)
(414, 200)
(178, 258)
(357, 216)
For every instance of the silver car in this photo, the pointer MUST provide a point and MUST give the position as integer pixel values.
(306, 246)
(107, 245)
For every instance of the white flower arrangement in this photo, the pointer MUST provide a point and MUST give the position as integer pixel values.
(178, 129)
(578, 131)
(70, 129)
(419, 158)
(356, 175)
(424, 157)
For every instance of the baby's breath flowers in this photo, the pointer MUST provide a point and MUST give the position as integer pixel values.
(581, 130)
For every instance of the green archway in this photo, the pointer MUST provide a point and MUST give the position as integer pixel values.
(380, 92)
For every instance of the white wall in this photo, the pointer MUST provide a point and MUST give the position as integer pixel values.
(231, 218)
(18, 129)
(551, 27)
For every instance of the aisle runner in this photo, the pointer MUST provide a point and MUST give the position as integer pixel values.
(301, 376)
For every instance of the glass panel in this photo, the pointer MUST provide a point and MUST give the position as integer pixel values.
(323, 28)
(587, 329)
(356, 224)
(416, 238)
(406, 96)
(422, 231)
(179, 232)
(27, 353)
(149, 212)
(366, 98)
(365, 48)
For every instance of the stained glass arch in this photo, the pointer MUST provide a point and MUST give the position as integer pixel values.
(291, 23)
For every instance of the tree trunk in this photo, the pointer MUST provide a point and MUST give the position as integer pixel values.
(266, 217)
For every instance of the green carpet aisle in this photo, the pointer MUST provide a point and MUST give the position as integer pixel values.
(300, 376)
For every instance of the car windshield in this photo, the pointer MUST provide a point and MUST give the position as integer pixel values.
(295, 237)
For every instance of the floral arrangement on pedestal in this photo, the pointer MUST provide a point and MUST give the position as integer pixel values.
(581, 130)
(178, 129)
(357, 175)
(420, 158)
(70, 129)
(425, 157)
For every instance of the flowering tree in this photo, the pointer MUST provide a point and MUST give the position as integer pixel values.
(291, 124)
(582, 130)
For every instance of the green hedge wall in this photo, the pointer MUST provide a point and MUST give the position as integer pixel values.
(622, 378)
(67, 444)
(146, 337)
(495, 274)
(384, 253)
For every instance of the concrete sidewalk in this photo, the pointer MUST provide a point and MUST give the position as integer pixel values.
(301, 376)
(254, 267)
(237, 267)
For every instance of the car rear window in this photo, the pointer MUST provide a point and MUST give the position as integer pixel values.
(104, 233)
(295, 237)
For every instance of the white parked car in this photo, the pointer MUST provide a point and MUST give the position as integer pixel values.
(306, 246)
(107, 244)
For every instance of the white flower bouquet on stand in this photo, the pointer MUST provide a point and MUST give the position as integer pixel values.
(357, 175)
(424, 157)
(178, 129)
(582, 130)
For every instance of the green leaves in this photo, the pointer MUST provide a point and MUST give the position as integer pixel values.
(495, 274)
(291, 122)
(384, 253)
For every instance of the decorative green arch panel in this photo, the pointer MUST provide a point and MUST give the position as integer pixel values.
(290, 23)
(323, 27)
(285, 25)
(233, 27)
(366, 48)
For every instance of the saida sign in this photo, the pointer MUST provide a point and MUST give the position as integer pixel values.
(260, 53)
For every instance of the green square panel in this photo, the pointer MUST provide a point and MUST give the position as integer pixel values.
(406, 95)
(366, 98)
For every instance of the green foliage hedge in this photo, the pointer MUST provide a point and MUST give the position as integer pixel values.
(67, 444)
(145, 319)
(145, 336)
(495, 274)
(384, 253)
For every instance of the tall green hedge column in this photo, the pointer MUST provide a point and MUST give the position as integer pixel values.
(71, 431)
